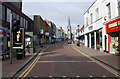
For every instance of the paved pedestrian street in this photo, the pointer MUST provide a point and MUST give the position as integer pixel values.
(63, 60)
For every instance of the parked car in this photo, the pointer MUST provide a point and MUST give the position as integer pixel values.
(69, 41)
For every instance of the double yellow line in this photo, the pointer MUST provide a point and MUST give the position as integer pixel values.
(26, 72)
(99, 63)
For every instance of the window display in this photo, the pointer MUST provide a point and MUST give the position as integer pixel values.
(114, 43)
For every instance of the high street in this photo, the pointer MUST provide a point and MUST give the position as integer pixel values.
(62, 60)
(60, 39)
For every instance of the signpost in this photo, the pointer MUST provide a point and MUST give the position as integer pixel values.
(11, 39)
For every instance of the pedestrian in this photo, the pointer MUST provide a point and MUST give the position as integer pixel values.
(73, 42)
(28, 48)
(78, 43)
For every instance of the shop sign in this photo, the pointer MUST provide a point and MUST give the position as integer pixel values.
(47, 34)
(2, 31)
(113, 26)
(41, 31)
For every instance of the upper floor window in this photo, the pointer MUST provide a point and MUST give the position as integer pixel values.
(91, 17)
(119, 7)
(87, 21)
(109, 11)
(26, 24)
(21, 21)
(97, 13)
(18, 17)
(14, 15)
(8, 15)
(3, 12)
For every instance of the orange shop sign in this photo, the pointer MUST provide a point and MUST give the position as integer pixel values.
(113, 26)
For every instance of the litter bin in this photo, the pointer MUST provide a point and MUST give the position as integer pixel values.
(19, 56)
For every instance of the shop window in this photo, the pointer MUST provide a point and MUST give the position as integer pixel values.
(114, 43)
(100, 38)
(3, 12)
(8, 15)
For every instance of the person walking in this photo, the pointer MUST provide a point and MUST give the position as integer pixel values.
(78, 43)
(28, 48)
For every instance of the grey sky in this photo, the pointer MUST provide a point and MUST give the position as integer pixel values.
(58, 12)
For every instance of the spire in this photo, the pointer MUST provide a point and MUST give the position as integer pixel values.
(68, 21)
(69, 28)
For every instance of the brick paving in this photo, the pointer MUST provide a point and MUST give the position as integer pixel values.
(9, 70)
(109, 59)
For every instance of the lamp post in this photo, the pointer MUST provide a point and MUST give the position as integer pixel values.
(78, 42)
(11, 38)
(78, 30)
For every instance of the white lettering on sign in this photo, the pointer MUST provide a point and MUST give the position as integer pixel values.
(113, 25)
(1, 30)
(118, 22)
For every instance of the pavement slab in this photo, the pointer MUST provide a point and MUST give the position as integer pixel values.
(9, 70)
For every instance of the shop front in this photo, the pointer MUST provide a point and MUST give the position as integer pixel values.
(3, 40)
(113, 31)
(47, 37)
(92, 40)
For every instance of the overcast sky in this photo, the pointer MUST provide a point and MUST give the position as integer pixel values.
(58, 12)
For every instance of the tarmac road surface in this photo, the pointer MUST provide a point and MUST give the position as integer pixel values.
(62, 60)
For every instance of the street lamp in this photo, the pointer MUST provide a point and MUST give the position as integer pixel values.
(78, 30)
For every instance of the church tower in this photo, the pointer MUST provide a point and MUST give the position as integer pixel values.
(69, 29)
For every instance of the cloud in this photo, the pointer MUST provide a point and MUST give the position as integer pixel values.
(58, 0)
(58, 12)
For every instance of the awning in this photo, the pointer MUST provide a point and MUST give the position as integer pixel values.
(2, 31)
(27, 35)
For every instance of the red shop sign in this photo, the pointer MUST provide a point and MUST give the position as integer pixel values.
(113, 26)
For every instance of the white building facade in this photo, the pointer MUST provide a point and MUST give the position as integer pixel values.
(95, 19)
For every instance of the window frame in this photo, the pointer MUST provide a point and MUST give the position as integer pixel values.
(119, 7)
(97, 13)
(86, 21)
(91, 18)
(109, 10)
(8, 20)
(4, 13)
